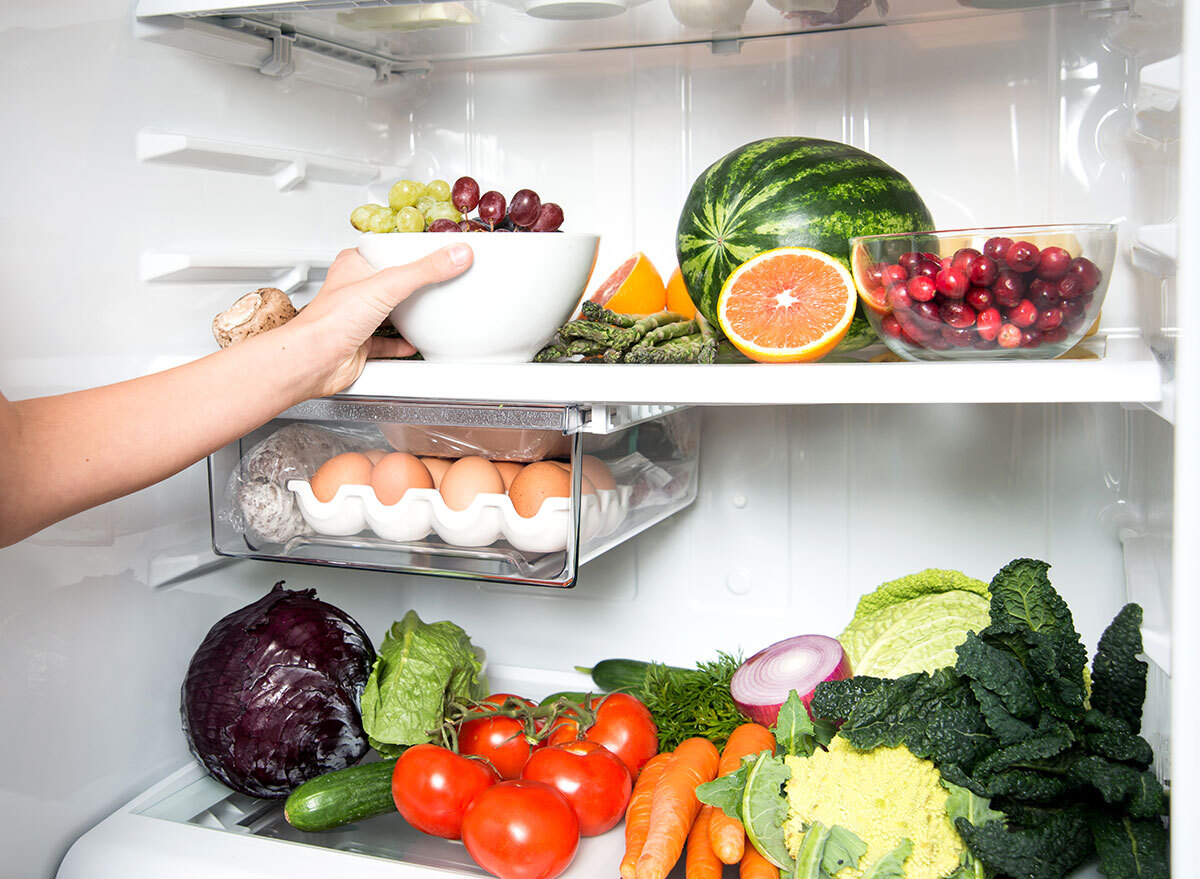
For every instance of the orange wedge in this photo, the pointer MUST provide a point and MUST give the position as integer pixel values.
(788, 305)
(678, 299)
(635, 287)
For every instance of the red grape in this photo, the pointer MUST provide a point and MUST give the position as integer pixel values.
(491, 207)
(549, 218)
(465, 194)
(524, 207)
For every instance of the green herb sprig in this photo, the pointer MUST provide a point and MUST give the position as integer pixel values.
(687, 702)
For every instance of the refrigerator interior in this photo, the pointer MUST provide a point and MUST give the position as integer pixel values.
(147, 187)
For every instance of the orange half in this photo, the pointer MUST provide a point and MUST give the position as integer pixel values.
(678, 299)
(788, 305)
(635, 287)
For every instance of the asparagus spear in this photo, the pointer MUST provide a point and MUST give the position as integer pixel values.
(596, 312)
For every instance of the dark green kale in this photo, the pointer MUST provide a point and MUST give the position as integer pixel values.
(1118, 676)
(1010, 723)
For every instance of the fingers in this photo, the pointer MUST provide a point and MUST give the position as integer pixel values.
(379, 347)
(348, 267)
(441, 265)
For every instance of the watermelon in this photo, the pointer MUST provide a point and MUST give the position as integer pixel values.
(788, 192)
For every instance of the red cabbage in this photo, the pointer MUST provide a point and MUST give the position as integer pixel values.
(271, 697)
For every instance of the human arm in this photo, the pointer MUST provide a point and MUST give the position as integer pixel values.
(63, 454)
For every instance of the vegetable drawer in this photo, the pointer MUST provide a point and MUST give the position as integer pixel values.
(504, 492)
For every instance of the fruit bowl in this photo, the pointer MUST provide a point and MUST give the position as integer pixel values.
(520, 288)
(1002, 293)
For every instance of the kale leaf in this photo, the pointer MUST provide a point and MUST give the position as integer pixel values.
(1118, 676)
(1130, 849)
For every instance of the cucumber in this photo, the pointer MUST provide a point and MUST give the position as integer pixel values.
(624, 675)
(569, 695)
(342, 797)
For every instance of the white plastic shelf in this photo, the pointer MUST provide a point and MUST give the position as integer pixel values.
(287, 271)
(1126, 373)
(287, 168)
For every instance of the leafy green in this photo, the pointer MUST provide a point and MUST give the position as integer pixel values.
(692, 702)
(1118, 676)
(794, 730)
(420, 667)
(765, 808)
(913, 623)
(825, 850)
(891, 865)
(1009, 722)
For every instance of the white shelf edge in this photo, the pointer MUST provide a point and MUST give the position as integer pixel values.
(1156, 250)
(287, 271)
(288, 168)
(1129, 373)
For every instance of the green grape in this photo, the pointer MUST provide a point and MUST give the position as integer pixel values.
(409, 219)
(439, 189)
(405, 193)
(382, 220)
(360, 217)
(442, 210)
(425, 202)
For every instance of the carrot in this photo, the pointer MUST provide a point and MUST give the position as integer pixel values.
(754, 866)
(674, 806)
(701, 861)
(637, 814)
(727, 835)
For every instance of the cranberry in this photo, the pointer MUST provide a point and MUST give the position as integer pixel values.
(988, 323)
(1053, 264)
(874, 275)
(929, 268)
(985, 344)
(1022, 256)
(952, 282)
(982, 270)
(1008, 288)
(1031, 338)
(958, 338)
(1009, 336)
(891, 327)
(893, 273)
(936, 342)
(956, 314)
(946, 262)
(1070, 287)
(1023, 315)
(1087, 273)
(926, 314)
(911, 261)
(912, 330)
(1049, 319)
(963, 257)
(979, 298)
(1042, 294)
(898, 297)
(1054, 336)
(1074, 314)
(921, 288)
(996, 247)
(932, 257)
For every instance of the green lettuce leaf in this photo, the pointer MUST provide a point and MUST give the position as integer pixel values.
(419, 668)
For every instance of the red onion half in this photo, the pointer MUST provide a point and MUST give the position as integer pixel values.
(762, 683)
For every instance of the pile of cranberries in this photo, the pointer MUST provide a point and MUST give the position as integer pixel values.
(1010, 295)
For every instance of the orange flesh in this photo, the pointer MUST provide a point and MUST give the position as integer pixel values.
(788, 301)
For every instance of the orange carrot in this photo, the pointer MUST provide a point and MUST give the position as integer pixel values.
(637, 814)
(727, 835)
(701, 861)
(674, 806)
(754, 866)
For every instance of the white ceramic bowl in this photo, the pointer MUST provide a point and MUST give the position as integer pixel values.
(521, 287)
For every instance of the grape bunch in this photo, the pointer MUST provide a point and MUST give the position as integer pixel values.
(439, 207)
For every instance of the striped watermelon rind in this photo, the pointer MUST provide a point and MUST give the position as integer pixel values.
(788, 192)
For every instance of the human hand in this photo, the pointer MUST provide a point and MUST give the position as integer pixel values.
(354, 300)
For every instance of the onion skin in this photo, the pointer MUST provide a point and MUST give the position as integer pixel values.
(748, 688)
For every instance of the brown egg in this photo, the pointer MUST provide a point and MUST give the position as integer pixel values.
(586, 485)
(437, 469)
(597, 471)
(535, 483)
(376, 455)
(508, 471)
(468, 477)
(397, 473)
(348, 468)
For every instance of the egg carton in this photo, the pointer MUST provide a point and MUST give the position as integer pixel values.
(491, 517)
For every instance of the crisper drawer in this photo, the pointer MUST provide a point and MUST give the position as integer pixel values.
(504, 492)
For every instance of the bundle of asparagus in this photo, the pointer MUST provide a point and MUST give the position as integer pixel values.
(604, 336)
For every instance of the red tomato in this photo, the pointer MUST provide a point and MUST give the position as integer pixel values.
(433, 786)
(623, 725)
(500, 739)
(521, 830)
(591, 777)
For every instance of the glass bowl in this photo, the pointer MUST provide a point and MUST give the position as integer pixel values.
(1002, 293)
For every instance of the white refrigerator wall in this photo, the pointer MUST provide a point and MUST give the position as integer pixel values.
(111, 266)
